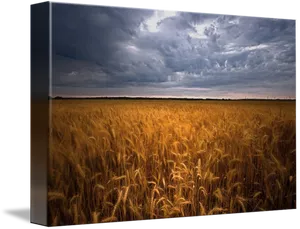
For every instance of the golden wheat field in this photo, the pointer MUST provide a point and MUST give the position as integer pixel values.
(120, 160)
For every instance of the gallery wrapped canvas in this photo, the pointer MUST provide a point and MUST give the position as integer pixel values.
(149, 114)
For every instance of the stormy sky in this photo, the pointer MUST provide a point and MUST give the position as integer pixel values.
(105, 51)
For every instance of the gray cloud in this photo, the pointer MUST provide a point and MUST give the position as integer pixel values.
(120, 51)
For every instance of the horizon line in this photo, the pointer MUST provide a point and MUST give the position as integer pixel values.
(170, 97)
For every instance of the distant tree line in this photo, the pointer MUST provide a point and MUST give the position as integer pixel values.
(164, 98)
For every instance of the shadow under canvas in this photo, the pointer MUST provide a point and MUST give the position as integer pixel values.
(23, 214)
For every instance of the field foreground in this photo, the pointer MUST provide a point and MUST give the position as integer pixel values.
(117, 160)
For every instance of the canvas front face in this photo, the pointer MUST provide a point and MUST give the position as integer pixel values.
(158, 114)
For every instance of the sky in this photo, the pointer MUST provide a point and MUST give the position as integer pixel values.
(109, 51)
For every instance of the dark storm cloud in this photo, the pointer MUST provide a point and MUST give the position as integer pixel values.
(120, 51)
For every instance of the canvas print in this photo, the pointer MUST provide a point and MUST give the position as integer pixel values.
(158, 114)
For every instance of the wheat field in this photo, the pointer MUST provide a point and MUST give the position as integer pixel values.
(120, 160)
